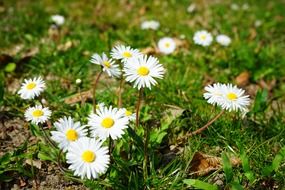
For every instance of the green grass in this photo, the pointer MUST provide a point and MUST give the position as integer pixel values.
(95, 26)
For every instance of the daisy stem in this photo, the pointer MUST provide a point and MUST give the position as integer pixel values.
(110, 145)
(145, 161)
(198, 131)
(47, 139)
(120, 92)
(94, 89)
(59, 162)
(138, 107)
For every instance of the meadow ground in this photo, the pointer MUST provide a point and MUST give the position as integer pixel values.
(235, 152)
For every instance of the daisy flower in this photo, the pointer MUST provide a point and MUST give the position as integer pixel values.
(166, 45)
(58, 19)
(131, 116)
(142, 71)
(31, 88)
(67, 132)
(124, 52)
(150, 24)
(213, 93)
(87, 158)
(203, 38)
(37, 114)
(223, 40)
(108, 122)
(108, 65)
(234, 99)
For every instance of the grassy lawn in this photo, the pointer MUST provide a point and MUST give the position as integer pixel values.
(235, 152)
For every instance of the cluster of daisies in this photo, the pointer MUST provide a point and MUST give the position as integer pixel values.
(204, 38)
(83, 144)
(139, 69)
(227, 96)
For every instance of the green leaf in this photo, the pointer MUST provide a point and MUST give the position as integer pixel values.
(10, 67)
(137, 139)
(278, 159)
(260, 103)
(227, 167)
(267, 170)
(246, 168)
(1, 87)
(200, 184)
(236, 186)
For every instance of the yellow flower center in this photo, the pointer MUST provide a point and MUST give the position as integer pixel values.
(88, 156)
(31, 86)
(107, 122)
(128, 113)
(107, 64)
(71, 135)
(167, 44)
(232, 96)
(203, 37)
(127, 54)
(143, 71)
(38, 113)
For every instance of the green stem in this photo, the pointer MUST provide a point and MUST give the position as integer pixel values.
(145, 162)
(138, 107)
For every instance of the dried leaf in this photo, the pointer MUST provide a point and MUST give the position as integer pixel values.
(78, 97)
(269, 85)
(252, 34)
(149, 51)
(35, 163)
(243, 78)
(203, 164)
(64, 47)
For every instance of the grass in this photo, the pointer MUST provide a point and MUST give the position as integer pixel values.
(96, 26)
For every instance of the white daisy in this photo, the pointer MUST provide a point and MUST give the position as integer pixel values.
(166, 45)
(37, 114)
(58, 19)
(150, 24)
(67, 132)
(108, 122)
(108, 65)
(224, 40)
(131, 116)
(124, 52)
(203, 38)
(31, 88)
(234, 98)
(143, 70)
(213, 93)
(87, 158)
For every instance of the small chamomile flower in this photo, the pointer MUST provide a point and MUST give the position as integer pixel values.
(213, 93)
(107, 122)
(224, 40)
(124, 53)
(37, 114)
(67, 132)
(203, 38)
(234, 98)
(58, 19)
(31, 88)
(130, 115)
(150, 24)
(143, 71)
(108, 65)
(87, 158)
(166, 45)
